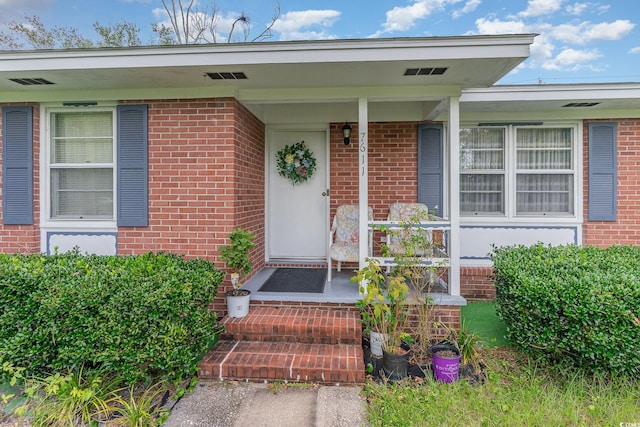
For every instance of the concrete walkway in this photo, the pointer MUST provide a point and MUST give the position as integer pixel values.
(254, 405)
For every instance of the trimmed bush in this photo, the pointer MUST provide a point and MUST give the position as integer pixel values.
(142, 316)
(572, 304)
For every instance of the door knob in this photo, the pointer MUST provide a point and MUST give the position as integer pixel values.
(325, 193)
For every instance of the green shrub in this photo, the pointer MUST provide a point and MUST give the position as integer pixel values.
(142, 316)
(570, 304)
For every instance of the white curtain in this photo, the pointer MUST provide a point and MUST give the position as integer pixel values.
(482, 166)
(549, 150)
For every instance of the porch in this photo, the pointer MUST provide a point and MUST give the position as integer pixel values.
(299, 336)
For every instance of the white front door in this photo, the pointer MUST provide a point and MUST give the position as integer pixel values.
(297, 225)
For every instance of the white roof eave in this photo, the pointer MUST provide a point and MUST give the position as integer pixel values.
(552, 92)
(345, 51)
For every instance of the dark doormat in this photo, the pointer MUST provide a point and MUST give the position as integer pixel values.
(309, 280)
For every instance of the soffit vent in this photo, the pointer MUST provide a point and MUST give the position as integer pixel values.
(437, 71)
(581, 104)
(227, 76)
(37, 81)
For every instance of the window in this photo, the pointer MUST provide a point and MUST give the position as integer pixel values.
(81, 165)
(482, 175)
(517, 171)
(544, 171)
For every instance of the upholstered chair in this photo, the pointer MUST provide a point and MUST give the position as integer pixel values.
(344, 236)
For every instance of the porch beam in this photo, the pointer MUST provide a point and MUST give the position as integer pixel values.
(454, 195)
(348, 94)
(363, 178)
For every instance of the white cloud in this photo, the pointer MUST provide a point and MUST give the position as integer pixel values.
(542, 49)
(298, 25)
(541, 7)
(577, 8)
(571, 60)
(469, 7)
(610, 30)
(496, 26)
(404, 18)
(586, 32)
(560, 45)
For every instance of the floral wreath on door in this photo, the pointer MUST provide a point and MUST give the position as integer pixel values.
(296, 162)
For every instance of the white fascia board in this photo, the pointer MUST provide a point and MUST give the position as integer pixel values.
(461, 47)
(552, 92)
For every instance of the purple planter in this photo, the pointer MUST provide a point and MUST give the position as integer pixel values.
(445, 369)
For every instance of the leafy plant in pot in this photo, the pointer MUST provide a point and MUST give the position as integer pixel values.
(384, 312)
(415, 250)
(457, 347)
(236, 256)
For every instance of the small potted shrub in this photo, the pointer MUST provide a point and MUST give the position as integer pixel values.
(236, 256)
(384, 311)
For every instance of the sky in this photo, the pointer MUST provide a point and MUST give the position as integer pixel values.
(579, 41)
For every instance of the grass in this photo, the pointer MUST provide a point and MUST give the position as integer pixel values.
(516, 392)
(481, 318)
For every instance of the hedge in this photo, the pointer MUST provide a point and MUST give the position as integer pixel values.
(571, 304)
(141, 316)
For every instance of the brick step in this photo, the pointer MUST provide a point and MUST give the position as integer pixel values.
(288, 361)
(301, 325)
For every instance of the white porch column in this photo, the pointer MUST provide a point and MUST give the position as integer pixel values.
(362, 140)
(454, 195)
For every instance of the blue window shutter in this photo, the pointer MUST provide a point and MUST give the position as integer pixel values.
(602, 172)
(430, 167)
(133, 193)
(17, 165)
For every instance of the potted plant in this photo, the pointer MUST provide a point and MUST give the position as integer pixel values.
(457, 347)
(236, 256)
(384, 312)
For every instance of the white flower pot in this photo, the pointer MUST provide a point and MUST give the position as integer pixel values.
(375, 341)
(238, 305)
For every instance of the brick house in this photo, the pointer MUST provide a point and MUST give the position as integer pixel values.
(124, 151)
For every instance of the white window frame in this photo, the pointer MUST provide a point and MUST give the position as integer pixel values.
(510, 156)
(46, 221)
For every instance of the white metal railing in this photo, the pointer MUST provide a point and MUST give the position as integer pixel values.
(442, 258)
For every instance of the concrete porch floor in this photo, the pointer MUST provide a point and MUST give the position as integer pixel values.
(338, 290)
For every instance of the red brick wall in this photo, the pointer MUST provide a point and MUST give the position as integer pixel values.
(24, 238)
(206, 177)
(625, 229)
(475, 284)
(393, 166)
(442, 314)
